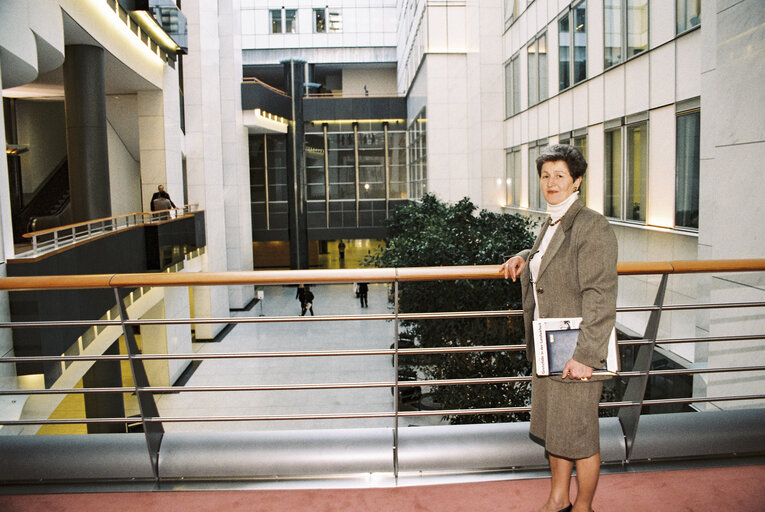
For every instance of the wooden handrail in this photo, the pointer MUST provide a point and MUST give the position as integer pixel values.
(326, 276)
(94, 221)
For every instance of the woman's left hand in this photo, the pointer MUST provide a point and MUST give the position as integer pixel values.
(576, 370)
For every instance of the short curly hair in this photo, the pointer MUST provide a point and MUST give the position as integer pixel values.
(576, 163)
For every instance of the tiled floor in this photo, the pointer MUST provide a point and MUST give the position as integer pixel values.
(294, 336)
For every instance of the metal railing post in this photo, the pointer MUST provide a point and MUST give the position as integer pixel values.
(629, 416)
(395, 378)
(153, 430)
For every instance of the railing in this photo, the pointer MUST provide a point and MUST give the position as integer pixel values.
(342, 94)
(481, 447)
(53, 239)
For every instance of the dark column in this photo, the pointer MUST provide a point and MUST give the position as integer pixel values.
(105, 374)
(86, 144)
(294, 73)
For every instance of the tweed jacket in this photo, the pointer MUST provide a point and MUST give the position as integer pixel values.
(577, 277)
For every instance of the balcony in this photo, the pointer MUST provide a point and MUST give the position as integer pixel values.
(349, 431)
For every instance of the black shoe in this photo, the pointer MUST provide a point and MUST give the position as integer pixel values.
(567, 509)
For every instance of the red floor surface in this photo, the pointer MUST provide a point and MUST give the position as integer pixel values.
(740, 489)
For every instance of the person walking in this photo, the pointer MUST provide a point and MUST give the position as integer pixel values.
(341, 249)
(363, 292)
(306, 301)
(569, 272)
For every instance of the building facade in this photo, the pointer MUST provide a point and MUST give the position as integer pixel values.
(652, 93)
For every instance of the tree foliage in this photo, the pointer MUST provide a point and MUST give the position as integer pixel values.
(433, 233)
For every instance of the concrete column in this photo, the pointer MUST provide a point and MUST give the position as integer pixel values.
(236, 168)
(86, 138)
(204, 166)
(294, 73)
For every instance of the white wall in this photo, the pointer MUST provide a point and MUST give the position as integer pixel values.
(124, 176)
(378, 81)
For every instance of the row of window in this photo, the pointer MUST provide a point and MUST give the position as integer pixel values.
(625, 36)
(325, 19)
(625, 171)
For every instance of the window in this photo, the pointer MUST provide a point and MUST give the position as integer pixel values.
(536, 199)
(579, 141)
(572, 46)
(513, 177)
(688, 14)
(290, 21)
(276, 21)
(626, 169)
(511, 10)
(687, 170)
(283, 21)
(326, 20)
(625, 31)
(319, 20)
(418, 156)
(512, 87)
(537, 54)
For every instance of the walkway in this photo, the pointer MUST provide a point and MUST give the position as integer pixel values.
(740, 489)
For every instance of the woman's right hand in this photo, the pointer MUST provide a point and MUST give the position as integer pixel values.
(512, 267)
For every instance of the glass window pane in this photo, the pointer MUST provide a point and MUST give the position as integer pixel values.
(533, 85)
(580, 42)
(418, 159)
(564, 53)
(580, 143)
(687, 170)
(513, 178)
(276, 21)
(542, 66)
(335, 20)
(688, 14)
(509, 89)
(290, 21)
(637, 27)
(612, 10)
(319, 20)
(637, 171)
(613, 172)
(536, 200)
(516, 85)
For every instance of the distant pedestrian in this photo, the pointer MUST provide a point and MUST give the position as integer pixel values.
(363, 291)
(161, 200)
(306, 300)
(341, 249)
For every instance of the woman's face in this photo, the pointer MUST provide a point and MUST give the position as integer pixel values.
(556, 182)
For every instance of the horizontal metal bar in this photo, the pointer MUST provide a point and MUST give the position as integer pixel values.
(296, 417)
(258, 355)
(337, 318)
(353, 385)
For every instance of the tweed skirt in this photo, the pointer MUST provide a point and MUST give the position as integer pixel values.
(564, 416)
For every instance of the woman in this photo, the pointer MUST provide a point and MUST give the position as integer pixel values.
(570, 272)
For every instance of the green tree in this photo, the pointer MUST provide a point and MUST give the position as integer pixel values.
(433, 233)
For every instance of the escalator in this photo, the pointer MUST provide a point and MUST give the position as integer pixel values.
(48, 207)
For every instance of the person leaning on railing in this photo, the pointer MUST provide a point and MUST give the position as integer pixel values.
(569, 272)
